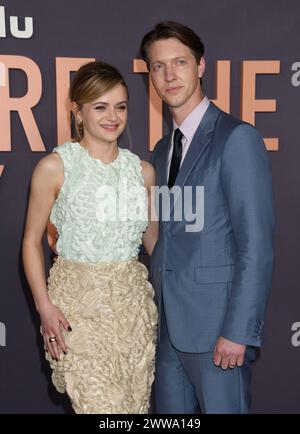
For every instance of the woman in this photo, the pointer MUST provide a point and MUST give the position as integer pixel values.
(98, 317)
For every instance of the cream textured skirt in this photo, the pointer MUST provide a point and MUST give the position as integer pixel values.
(109, 366)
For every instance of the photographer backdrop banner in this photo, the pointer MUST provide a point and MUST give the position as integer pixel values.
(253, 72)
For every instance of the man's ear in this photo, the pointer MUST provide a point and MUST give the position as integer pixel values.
(201, 67)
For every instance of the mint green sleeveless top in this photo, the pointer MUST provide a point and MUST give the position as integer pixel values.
(101, 211)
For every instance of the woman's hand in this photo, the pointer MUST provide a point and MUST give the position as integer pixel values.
(51, 320)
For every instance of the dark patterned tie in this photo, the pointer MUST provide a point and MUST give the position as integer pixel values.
(176, 157)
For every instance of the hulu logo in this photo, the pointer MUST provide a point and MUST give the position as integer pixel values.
(14, 26)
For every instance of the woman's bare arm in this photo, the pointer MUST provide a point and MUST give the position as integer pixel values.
(151, 234)
(46, 181)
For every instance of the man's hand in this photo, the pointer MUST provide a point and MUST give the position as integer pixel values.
(228, 354)
(52, 236)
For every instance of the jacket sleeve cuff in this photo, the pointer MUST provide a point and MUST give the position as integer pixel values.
(246, 333)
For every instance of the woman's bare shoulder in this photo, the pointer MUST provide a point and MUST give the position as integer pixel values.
(49, 171)
(148, 173)
(49, 165)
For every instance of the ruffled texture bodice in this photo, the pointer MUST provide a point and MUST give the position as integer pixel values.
(101, 211)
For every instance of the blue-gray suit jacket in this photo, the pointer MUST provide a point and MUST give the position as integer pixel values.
(216, 282)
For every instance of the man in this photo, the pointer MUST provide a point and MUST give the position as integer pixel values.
(212, 283)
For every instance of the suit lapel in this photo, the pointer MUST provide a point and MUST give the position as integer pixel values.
(200, 141)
